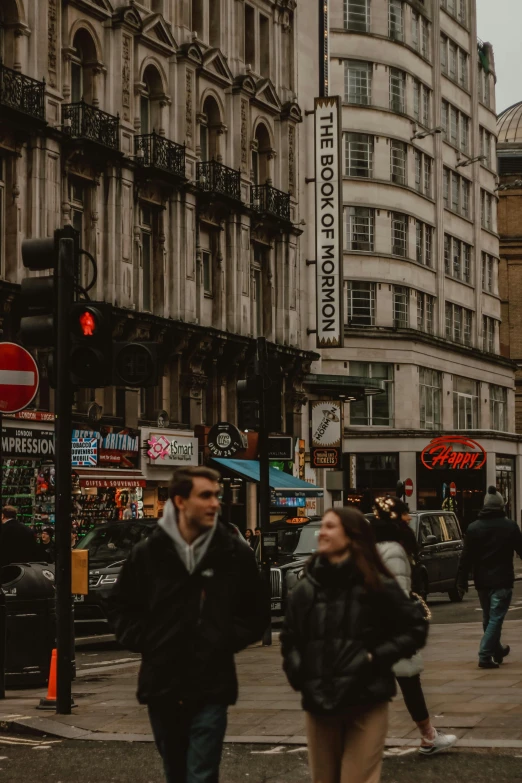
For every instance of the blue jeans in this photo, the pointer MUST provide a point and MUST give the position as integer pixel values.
(495, 604)
(190, 741)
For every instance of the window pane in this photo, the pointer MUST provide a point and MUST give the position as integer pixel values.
(396, 21)
(397, 82)
(360, 228)
(400, 306)
(358, 155)
(398, 162)
(361, 303)
(357, 82)
(357, 15)
(399, 234)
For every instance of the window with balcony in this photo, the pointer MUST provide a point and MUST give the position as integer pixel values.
(425, 309)
(459, 321)
(430, 390)
(358, 154)
(396, 20)
(399, 230)
(373, 411)
(357, 16)
(489, 334)
(360, 228)
(465, 404)
(360, 303)
(397, 90)
(401, 300)
(498, 408)
(357, 82)
(398, 161)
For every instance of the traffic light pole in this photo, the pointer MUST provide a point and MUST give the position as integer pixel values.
(63, 431)
(264, 480)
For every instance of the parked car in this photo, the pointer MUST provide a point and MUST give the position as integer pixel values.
(108, 545)
(440, 542)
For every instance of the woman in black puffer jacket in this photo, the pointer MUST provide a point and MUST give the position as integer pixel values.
(347, 623)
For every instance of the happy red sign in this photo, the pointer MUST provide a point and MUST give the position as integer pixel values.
(454, 452)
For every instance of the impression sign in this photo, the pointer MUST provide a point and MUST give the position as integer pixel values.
(328, 228)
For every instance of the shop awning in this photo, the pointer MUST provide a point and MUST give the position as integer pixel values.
(106, 479)
(282, 484)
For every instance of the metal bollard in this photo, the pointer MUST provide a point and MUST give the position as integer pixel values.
(3, 630)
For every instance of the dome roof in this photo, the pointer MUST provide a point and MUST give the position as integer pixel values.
(509, 125)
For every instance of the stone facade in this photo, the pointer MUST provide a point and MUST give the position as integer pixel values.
(168, 137)
(421, 248)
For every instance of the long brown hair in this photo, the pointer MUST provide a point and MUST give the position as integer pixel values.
(363, 550)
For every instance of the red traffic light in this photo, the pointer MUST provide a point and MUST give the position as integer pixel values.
(87, 324)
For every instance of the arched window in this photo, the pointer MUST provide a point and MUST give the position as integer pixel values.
(209, 130)
(261, 155)
(83, 61)
(152, 94)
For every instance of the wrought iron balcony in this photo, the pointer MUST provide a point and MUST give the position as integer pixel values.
(270, 201)
(157, 152)
(216, 178)
(22, 93)
(83, 121)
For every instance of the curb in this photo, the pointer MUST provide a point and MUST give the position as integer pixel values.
(43, 727)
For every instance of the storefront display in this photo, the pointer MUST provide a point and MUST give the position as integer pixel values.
(28, 474)
(94, 505)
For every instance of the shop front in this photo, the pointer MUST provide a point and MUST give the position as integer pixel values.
(28, 474)
(162, 451)
(108, 484)
(450, 471)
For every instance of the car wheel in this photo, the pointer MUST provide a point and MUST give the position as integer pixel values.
(456, 595)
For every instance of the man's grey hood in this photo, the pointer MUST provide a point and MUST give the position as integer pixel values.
(190, 554)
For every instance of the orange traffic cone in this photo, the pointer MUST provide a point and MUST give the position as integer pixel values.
(49, 703)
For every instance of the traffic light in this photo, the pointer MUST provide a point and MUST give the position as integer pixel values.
(136, 364)
(248, 403)
(90, 358)
(39, 295)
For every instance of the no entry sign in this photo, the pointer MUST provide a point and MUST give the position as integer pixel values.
(408, 488)
(18, 378)
(453, 489)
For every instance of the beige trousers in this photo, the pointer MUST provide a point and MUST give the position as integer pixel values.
(347, 748)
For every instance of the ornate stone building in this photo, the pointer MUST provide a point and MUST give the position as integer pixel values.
(166, 132)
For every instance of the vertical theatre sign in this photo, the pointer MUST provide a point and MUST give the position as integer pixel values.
(328, 195)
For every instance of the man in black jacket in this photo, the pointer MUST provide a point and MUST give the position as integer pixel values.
(17, 542)
(188, 598)
(489, 547)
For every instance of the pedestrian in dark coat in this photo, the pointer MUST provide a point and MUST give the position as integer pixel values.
(17, 542)
(490, 544)
(188, 598)
(347, 623)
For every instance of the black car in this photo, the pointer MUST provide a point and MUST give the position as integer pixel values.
(440, 542)
(295, 545)
(108, 546)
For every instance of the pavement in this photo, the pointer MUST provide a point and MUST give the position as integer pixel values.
(483, 708)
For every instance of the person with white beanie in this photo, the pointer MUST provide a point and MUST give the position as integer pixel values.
(489, 548)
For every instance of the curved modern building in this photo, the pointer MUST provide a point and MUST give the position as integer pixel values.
(421, 250)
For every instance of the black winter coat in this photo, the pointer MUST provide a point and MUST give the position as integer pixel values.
(490, 544)
(331, 625)
(18, 544)
(188, 626)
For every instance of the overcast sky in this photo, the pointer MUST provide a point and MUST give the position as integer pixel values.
(500, 23)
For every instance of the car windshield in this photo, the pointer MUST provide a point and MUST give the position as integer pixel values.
(300, 542)
(113, 542)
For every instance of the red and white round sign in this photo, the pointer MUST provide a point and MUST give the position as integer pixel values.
(453, 489)
(408, 488)
(18, 378)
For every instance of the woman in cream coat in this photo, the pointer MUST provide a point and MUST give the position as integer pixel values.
(397, 547)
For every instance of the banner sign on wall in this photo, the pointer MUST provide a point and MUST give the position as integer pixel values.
(168, 449)
(118, 447)
(29, 443)
(326, 433)
(84, 452)
(328, 223)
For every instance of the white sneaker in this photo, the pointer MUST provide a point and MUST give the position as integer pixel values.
(439, 743)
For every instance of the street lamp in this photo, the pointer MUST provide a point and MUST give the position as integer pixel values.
(469, 161)
(424, 133)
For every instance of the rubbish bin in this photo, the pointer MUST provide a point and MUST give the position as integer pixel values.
(30, 622)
